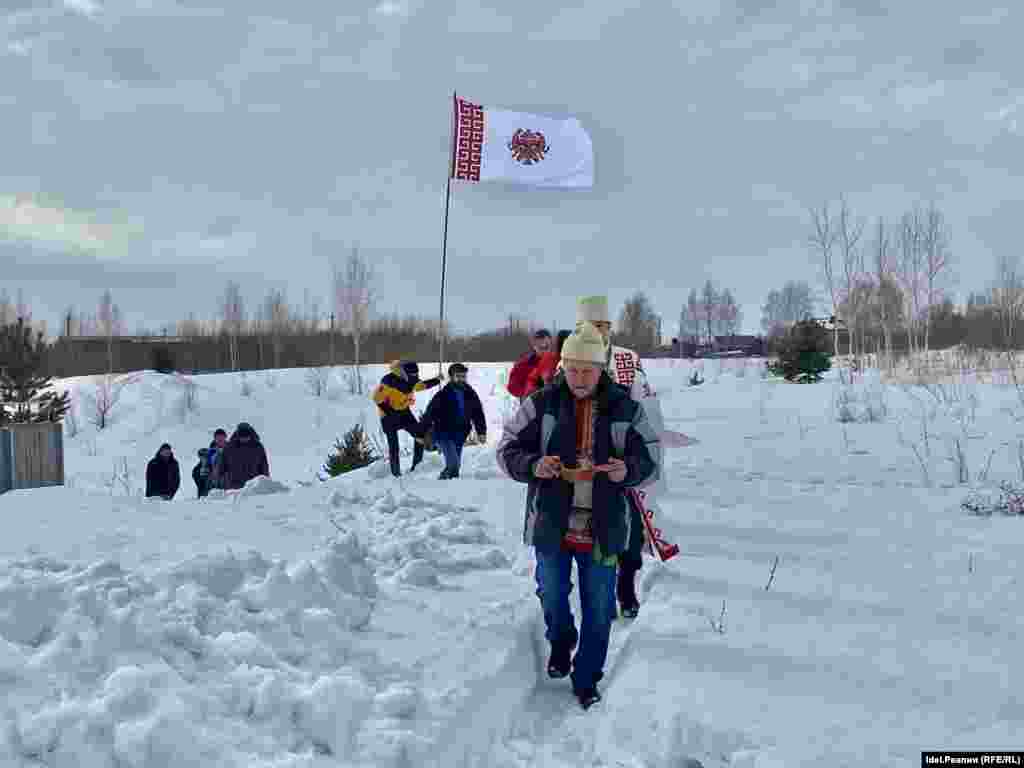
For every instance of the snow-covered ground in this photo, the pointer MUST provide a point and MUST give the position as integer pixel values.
(366, 621)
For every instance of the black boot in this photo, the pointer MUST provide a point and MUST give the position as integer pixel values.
(444, 474)
(588, 697)
(417, 455)
(625, 589)
(560, 661)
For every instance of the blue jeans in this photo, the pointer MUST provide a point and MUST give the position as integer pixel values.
(597, 600)
(451, 449)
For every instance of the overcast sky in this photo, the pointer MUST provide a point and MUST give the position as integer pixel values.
(161, 147)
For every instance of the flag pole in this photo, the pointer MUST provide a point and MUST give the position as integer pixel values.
(444, 238)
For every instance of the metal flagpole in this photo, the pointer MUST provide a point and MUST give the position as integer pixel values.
(444, 241)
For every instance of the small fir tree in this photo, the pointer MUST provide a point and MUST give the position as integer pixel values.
(25, 393)
(352, 452)
(803, 353)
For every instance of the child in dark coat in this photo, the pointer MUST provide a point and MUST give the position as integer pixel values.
(162, 474)
(450, 415)
(209, 458)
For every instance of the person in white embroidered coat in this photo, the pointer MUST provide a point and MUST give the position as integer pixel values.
(625, 369)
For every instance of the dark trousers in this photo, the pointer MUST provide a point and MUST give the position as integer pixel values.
(392, 425)
(632, 559)
(202, 486)
(451, 448)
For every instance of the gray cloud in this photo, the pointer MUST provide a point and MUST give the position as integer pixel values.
(239, 135)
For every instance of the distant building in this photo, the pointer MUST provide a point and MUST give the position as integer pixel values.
(730, 345)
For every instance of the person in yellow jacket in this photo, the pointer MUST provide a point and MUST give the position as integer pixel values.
(394, 396)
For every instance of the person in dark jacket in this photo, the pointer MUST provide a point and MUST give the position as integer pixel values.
(450, 415)
(394, 397)
(209, 458)
(243, 458)
(522, 379)
(579, 444)
(163, 477)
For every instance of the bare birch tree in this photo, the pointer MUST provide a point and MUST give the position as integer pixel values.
(232, 312)
(709, 305)
(278, 317)
(852, 296)
(910, 273)
(110, 324)
(786, 306)
(690, 320)
(1008, 298)
(638, 322)
(823, 242)
(882, 272)
(354, 296)
(935, 244)
(729, 314)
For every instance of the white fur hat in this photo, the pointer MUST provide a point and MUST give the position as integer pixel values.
(585, 345)
(592, 309)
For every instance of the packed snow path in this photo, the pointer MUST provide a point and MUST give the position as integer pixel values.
(365, 621)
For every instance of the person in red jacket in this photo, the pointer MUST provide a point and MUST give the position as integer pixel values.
(522, 380)
(549, 362)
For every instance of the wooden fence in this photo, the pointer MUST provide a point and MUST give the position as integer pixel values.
(31, 456)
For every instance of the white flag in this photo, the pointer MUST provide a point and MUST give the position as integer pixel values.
(520, 148)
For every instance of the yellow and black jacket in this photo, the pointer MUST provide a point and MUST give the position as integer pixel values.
(395, 392)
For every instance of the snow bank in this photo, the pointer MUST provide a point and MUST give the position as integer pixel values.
(212, 661)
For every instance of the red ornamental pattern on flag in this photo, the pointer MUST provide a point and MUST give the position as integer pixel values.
(469, 128)
(494, 144)
(625, 368)
(528, 147)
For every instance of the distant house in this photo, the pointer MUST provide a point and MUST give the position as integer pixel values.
(721, 346)
(747, 346)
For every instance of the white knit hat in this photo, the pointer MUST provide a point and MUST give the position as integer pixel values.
(592, 309)
(585, 345)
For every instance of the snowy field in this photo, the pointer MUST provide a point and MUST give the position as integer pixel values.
(832, 605)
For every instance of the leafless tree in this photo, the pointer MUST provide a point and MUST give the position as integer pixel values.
(910, 273)
(191, 328)
(354, 297)
(638, 321)
(232, 312)
(852, 295)
(823, 242)
(22, 309)
(1008, 297)
(317, 380)
(103, 399)
(883, 284)
(7, 314)
(279, 321)
(110, 324)
(690, 319)
(935, 243)
(709, 304)
(786, 306)
(728, 312)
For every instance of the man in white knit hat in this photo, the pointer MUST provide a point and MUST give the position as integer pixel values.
(580, 443)
(623, 364)
(625, 369)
